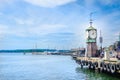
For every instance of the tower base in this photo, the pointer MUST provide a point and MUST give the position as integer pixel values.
(91, 49)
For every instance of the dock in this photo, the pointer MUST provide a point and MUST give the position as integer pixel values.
(100, 64)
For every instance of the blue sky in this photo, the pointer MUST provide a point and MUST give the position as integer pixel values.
(57, 24)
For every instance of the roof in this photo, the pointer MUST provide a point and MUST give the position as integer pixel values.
(91, 28)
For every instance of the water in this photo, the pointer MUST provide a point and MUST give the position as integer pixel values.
(45, 67)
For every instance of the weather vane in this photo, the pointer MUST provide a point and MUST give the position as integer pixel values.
(91, 14)
(91, 18)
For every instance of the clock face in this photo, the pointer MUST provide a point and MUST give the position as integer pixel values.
(87, 34)
(93, 34)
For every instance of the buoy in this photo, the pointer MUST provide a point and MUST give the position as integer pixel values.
(101, 66)
(112, 68)
(117, 66)
(108, 67)
(86, 63)
(92, 66)
(81, 64)
(105, 67)
(89, 64)
(96, 65)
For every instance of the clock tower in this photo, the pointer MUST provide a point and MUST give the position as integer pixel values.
(91, 36)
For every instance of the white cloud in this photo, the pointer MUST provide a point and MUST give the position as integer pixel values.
(49, 3)
(19, 21)
(33, 31)
(4, 2)
(1, 13)
(45, 29)
(8, 31)
(24, 21)
(107, 2)
(3, 30)
(91, 3)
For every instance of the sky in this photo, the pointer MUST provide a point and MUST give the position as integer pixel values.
(58, 24)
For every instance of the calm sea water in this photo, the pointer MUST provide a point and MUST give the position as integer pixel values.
(45, 67)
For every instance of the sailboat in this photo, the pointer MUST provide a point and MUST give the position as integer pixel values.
(35, 52)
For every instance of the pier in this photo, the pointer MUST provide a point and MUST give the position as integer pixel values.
(100, 64)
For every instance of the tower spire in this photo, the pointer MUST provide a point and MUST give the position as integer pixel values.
(91, 19)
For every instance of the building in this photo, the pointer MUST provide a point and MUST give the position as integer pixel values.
(91, 36)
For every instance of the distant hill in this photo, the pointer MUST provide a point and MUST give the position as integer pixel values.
(31, 50)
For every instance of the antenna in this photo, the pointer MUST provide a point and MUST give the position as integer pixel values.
(101, 40)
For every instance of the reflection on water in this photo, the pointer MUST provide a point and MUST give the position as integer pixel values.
(94, 75)
(45, 67)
